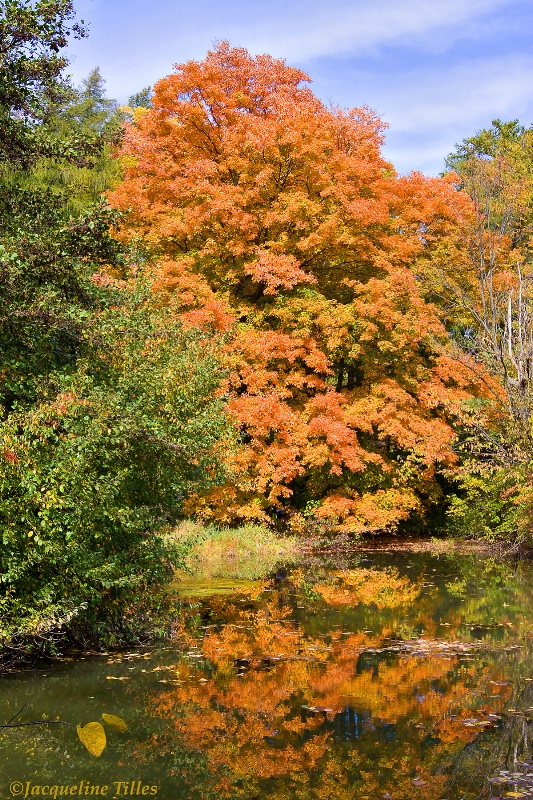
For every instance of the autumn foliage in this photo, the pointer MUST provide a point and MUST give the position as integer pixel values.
(275, 219)
(302, 708)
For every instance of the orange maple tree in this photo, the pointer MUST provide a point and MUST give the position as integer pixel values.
(275, 218)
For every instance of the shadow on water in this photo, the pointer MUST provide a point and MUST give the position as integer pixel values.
(385, 675)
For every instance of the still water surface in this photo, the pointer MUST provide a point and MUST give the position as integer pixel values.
(383, 674)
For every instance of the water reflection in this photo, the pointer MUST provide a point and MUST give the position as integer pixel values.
(393, 676)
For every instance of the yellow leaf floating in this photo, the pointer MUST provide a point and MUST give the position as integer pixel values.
(92, 736)
(115, 722)
(515, 794)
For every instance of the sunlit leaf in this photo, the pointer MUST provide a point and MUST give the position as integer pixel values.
(115, 722)
(93, 737)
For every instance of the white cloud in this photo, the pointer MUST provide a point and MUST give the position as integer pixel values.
(429, 111)
(142, 43)
(340, 28)
(466, 92)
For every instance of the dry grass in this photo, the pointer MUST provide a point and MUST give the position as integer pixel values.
(246, 553)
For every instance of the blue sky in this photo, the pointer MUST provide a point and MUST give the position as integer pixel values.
(435, 70)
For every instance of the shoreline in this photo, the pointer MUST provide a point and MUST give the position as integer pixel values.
(13, 660)
(421, 544)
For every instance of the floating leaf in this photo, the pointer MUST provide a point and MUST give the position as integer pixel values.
(92, 736)
(116, 722)
(515, 794)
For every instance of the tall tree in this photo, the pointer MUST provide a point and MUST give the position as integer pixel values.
(494, 294)
(483, 282)
(45, 252)
(32, 82)
(90, 116)
(269, 212)
(88, 113)
(141, 99)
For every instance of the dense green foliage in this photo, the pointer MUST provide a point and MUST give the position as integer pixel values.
(90, 477)
(108, 409)
(54, 166)
(46, 260)
(94, 117)
(32, 81)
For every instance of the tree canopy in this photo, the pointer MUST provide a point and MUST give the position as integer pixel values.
(33, 37)
(276, 217)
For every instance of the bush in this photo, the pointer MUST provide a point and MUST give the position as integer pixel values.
(492, 503)
(90, 478)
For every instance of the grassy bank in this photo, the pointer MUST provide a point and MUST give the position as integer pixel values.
(247, 553)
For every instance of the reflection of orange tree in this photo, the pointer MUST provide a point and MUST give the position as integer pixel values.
(383, 588)
(388, 590)
(251, 728)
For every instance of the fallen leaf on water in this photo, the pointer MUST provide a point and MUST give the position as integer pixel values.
(92, 736)
(116, 722)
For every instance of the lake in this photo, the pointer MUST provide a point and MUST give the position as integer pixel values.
(371, 674)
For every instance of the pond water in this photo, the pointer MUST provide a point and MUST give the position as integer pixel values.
(378, 675)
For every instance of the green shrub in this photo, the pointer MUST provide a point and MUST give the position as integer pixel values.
(90, 478)
(492, 503)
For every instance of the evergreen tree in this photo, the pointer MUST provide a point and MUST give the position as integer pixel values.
(142, 99)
